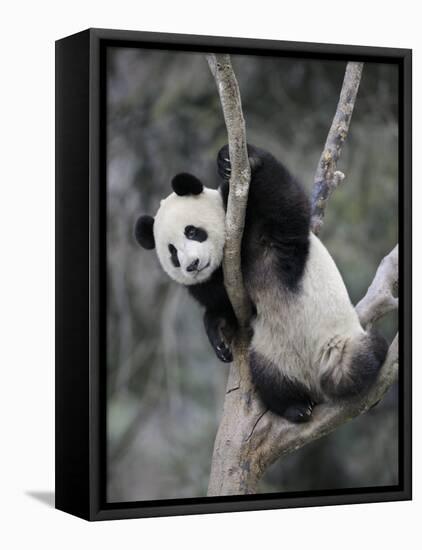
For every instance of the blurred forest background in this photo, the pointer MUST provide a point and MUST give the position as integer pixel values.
(165, 386)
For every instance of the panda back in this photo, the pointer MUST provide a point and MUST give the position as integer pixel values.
(292, 327)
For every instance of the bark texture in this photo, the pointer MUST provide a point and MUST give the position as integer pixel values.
(250, 438)
(228, 90)
(227, 462)
(381, 296)
(327, 178)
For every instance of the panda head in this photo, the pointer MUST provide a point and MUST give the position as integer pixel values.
(188, 231)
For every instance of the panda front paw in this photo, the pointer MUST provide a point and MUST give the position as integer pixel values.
(220, 333)
(223, 163)
(223, 352)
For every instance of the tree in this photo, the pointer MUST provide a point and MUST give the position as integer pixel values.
(250, 438)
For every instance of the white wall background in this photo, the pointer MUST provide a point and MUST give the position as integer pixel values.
(27, 272)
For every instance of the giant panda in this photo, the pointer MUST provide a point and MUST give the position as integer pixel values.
(307, 345)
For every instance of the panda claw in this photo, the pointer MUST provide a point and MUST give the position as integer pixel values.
(224, 353)
(298, 414)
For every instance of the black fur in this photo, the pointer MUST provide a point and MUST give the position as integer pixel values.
(174, 257)
(196, 233)
(144, 232)
(186, 184)
(364, 368)
(277, 216)
(285, 397)
(219, 319)
(220, 335)
(277, 226)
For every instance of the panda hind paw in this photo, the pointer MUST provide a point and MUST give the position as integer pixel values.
(299, 412)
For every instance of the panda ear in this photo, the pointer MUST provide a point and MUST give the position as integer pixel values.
(186, 184)
(144, 232)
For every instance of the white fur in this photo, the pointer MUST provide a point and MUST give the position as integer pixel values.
(304, 334)
(205, 210)
(310, 331)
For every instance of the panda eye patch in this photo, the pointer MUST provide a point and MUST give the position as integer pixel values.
(196, 233)
(173, 256)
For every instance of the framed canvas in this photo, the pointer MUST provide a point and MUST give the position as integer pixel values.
(272, 180)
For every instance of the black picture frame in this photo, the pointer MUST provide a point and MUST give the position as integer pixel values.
(81, 273)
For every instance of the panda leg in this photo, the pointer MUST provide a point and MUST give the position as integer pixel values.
(281, 395)
(349, 368)
(220, 334)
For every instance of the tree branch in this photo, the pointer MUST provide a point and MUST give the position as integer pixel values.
(380, 297)
(228, 89)
(284, 437)
(327, 178)
(281, 437)
(250, 437)
(238, 402)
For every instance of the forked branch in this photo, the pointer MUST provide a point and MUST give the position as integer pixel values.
(250, 437)
(284, 437)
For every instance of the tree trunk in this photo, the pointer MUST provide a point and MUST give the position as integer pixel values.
(250, 438)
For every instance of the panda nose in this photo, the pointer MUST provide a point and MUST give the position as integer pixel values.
(193, 266)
